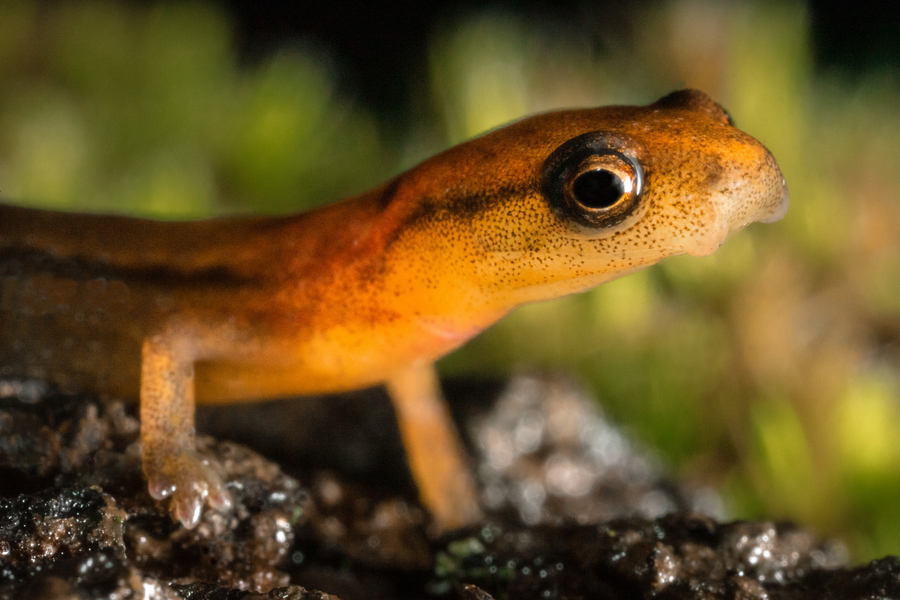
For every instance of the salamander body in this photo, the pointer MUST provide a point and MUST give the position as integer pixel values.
(373, 289)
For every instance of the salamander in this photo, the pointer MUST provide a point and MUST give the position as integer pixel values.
(373, 289)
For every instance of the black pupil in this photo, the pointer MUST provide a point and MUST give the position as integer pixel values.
(598, 189)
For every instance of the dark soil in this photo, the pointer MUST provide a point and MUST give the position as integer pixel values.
(574, 510)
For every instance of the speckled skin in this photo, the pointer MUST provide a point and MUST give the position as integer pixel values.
(366, 291)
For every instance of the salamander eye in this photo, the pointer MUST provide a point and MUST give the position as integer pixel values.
(601, 183)
(591, 180)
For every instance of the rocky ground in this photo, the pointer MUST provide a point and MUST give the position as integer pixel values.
(574, 510)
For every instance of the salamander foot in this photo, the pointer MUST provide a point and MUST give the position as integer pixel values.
(189, 479)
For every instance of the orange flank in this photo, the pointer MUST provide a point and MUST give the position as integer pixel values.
(371, 290)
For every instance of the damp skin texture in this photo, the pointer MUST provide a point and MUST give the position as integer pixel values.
(371, 290)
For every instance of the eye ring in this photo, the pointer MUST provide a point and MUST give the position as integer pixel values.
(593, 180)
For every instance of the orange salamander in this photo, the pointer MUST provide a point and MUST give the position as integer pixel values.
(371, 290)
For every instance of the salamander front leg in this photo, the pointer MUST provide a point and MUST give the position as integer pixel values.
(171, 463)
(433, 448)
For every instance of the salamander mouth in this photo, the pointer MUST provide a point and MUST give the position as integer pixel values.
(739, 204)
(704, 245)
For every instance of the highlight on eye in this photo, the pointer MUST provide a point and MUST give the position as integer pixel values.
(592, 180)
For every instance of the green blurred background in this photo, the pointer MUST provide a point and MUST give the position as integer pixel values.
(769, 370)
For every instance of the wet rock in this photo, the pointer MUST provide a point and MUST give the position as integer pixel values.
(388, 532)
(54, 526)
(576, 510)
(679, 555)
(547, 453)
(206, 591)
(77, 446)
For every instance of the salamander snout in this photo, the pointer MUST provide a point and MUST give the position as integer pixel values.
(781, 209)
(750, 189)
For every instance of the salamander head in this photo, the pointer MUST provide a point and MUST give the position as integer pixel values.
(684, 180)
(561, 202)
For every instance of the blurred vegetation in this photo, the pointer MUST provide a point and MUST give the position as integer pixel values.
(769, 369)
(144, 110)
